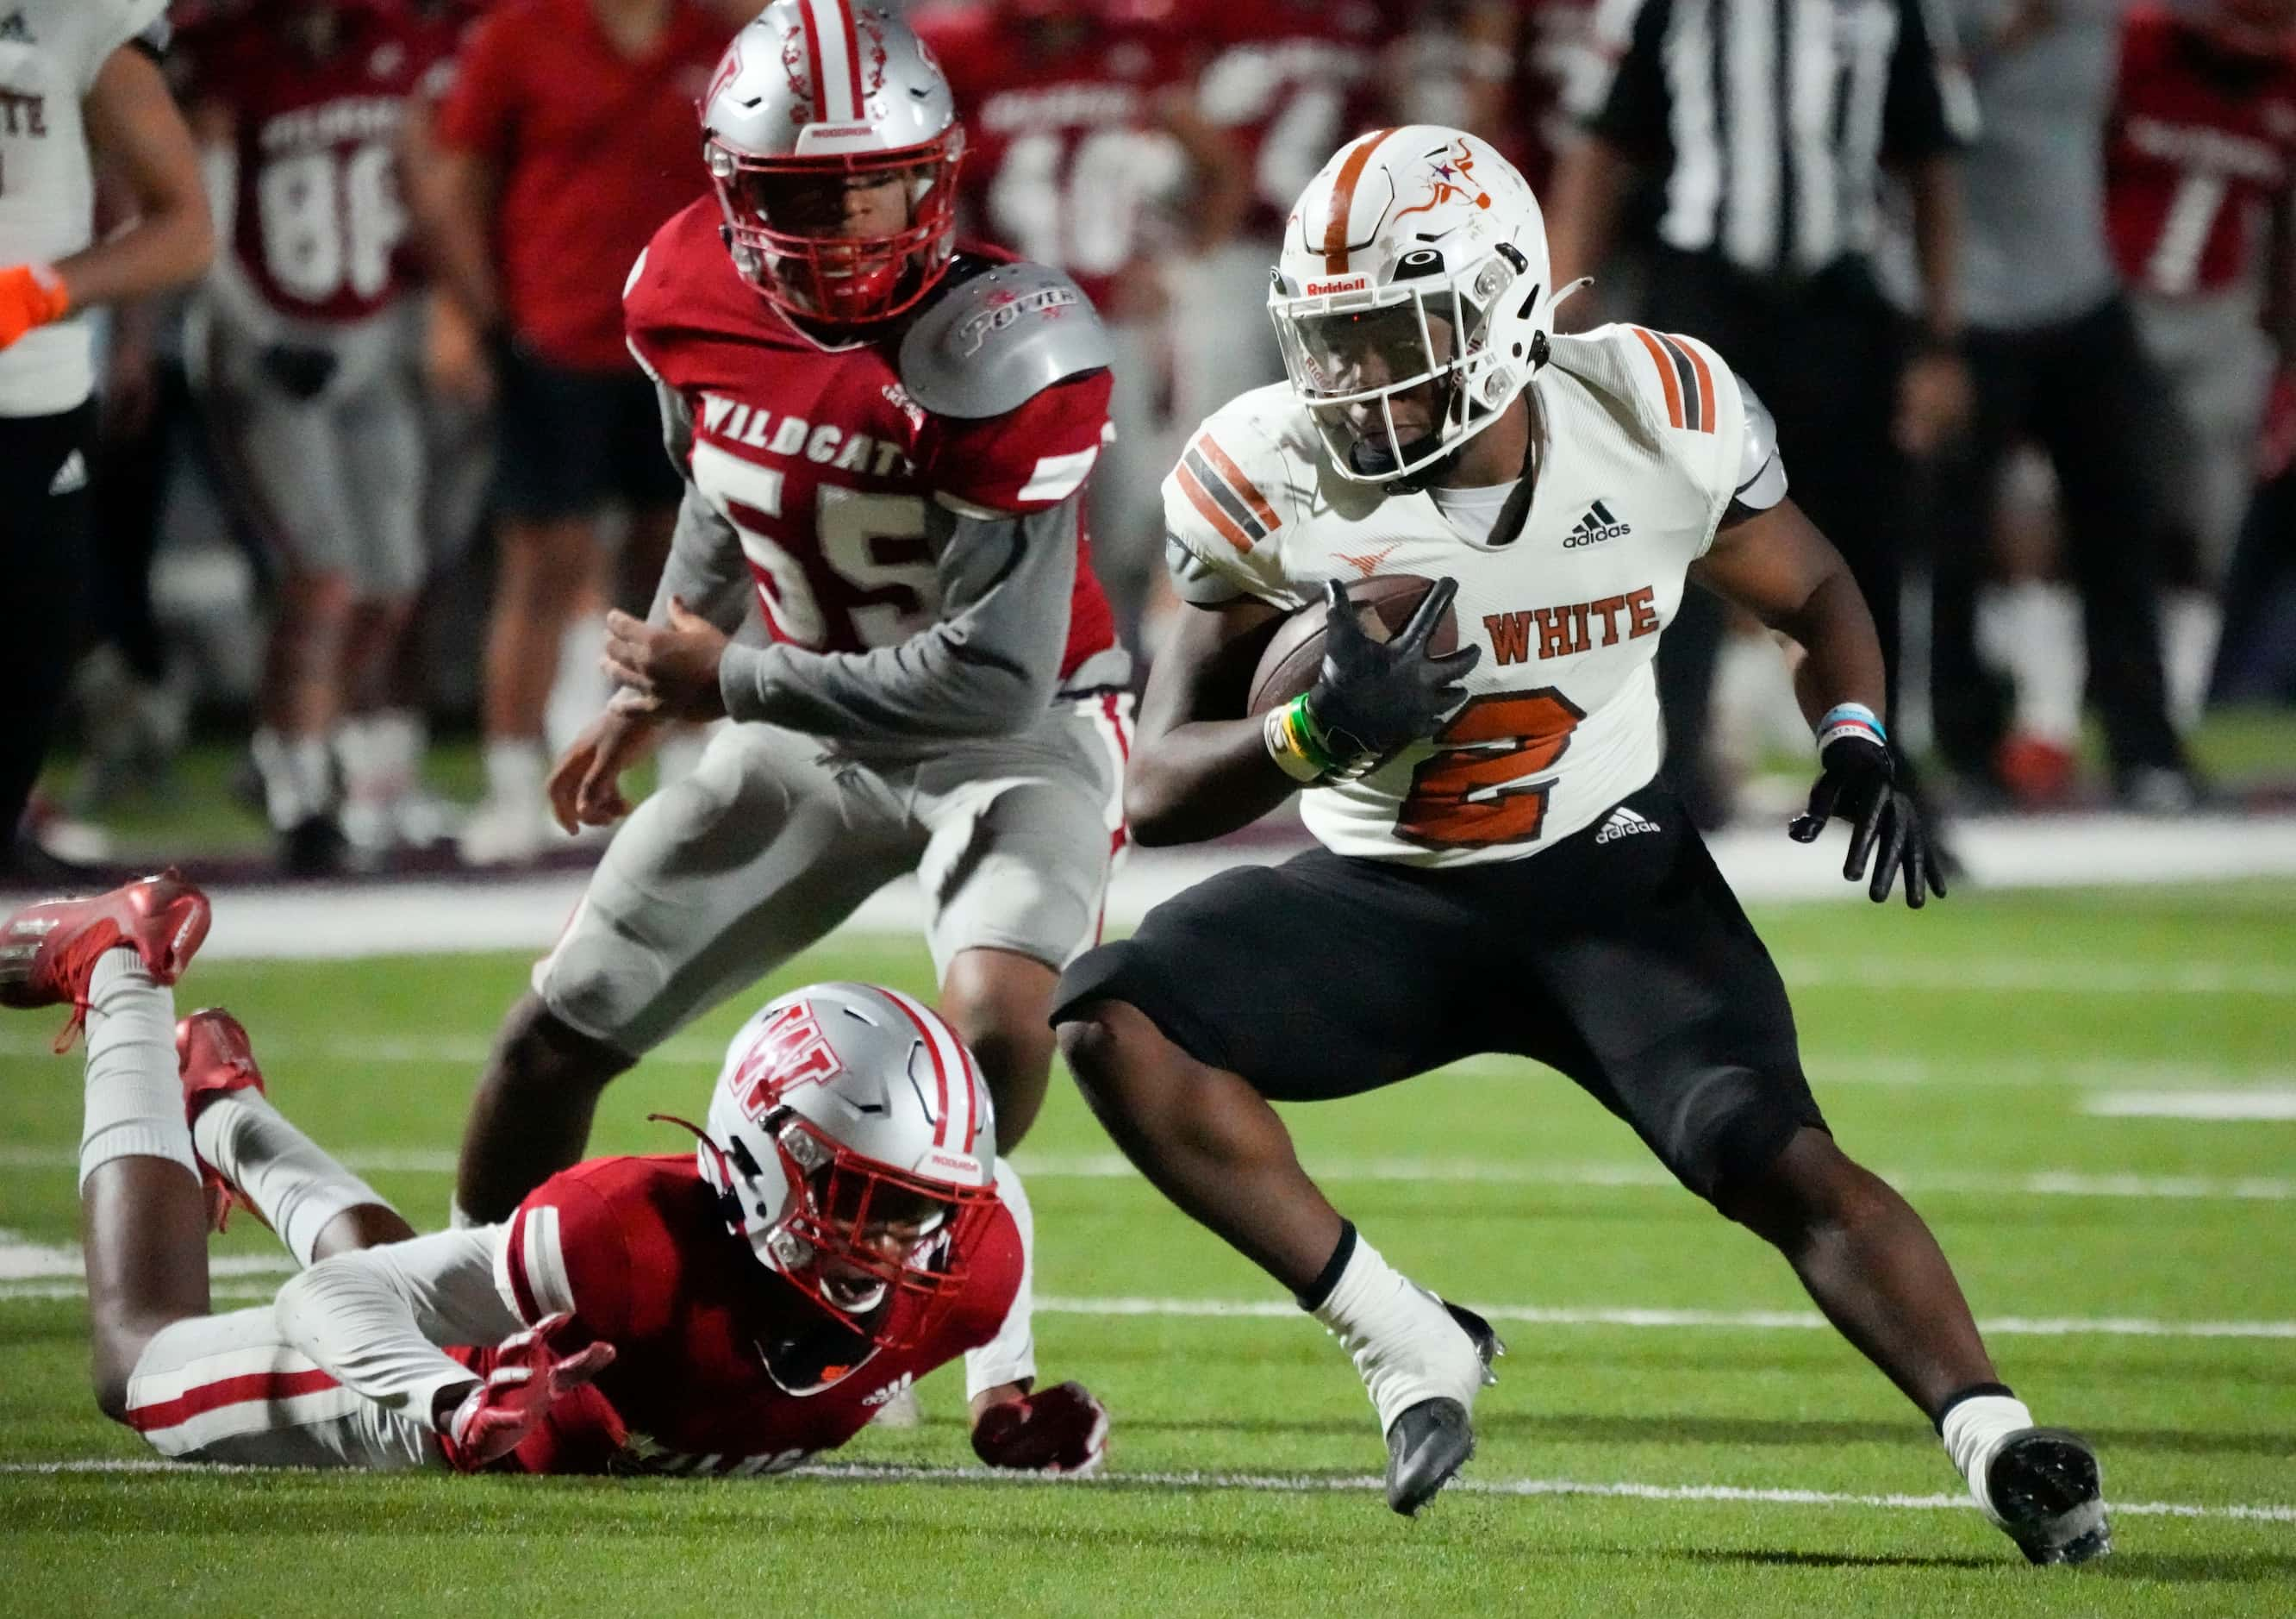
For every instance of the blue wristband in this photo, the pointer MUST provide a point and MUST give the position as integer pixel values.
(1851, 719)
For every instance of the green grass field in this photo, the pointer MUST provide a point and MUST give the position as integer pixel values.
(1977, 1050)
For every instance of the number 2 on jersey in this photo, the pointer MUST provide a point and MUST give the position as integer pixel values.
(1472, 793)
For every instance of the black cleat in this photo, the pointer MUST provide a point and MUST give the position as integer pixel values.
(2047, 1494)
(1426, 1445)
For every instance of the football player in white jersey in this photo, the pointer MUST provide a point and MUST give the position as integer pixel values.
(77, 78)
(1499, 871)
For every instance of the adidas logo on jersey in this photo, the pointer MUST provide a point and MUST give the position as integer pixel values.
(1624, 823)
(893, 1391)
(1597, 526)
(15, 30)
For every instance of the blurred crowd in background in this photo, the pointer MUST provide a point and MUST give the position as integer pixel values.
(379, 476)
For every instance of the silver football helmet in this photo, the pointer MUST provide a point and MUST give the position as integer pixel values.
(852, 1140)
(816, 94)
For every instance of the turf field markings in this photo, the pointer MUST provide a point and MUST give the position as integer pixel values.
(1826, 1068)
(1303, 1483)
(1630, 1175)
(2251, 1103)
(2024, 974)
(47, 1285)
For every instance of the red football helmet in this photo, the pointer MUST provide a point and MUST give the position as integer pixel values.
(814, 102)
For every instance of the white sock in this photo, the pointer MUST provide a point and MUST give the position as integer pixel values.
(2189, 625)
(581, 688)
(516, 768)
(1405, 1344)
(1972, 1431)
(134, 1107)
(298, 777)
(292, 1183)
(1011, 1356)
(2048, 658)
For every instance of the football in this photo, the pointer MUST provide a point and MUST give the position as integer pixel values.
(1384, 604)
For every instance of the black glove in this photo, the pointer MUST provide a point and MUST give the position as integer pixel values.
(304, 372)
(1373, 696)
(1857, 781)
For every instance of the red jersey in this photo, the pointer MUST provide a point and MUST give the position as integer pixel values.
(2199, 147)
(594, 150)
(637, 1252)
(1293, 80)
(1064, 157)
(823, 464)
(317, 219)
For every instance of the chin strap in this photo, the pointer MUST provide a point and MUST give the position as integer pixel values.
(729, 1189)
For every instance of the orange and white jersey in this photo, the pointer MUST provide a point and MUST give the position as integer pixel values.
(1646, 442)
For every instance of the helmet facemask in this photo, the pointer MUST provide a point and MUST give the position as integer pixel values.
(879, 1247)
(1354, 357)
(784, 219)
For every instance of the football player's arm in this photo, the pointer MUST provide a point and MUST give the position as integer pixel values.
(1200, 765)
(705, 569)
(1624, 114)
(987, 666)
(139, 138)
(1774, 563)
(375, 1319)
(451, 165)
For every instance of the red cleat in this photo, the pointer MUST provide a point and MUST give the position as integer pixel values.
(213, 1055)
(48, 950)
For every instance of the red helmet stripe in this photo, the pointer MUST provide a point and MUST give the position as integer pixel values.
(1343, 200)
(833, 51)
(924, 1021)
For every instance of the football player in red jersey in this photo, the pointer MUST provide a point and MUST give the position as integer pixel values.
(885, 443)
(735, 1309)
(2200, 152)
(302, 351)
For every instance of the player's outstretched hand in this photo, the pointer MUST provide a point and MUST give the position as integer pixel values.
(1373, 696)
(1858, 782)
(30, 295)
(530, 1375)
(586, 786)
(1061, 1429)
(675, 665)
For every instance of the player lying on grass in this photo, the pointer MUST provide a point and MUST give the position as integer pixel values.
(836, 1235)
(1501, 870)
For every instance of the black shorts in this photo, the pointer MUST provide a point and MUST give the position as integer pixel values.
(1620, 956)
(46, 555)
(567, 442)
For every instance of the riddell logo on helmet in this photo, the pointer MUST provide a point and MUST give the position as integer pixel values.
(839, 131)
(950, 1161)
(1322, 289)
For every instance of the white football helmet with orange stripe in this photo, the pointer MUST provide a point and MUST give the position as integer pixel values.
(832, 91)
(1416, 258)
(852, 1139)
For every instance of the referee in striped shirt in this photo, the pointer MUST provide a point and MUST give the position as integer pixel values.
(1757, 129)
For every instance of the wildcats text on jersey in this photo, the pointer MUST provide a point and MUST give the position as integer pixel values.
(826, 444)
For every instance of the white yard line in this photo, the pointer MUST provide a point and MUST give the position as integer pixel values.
(2254, 1103)
(1463, 1171)
(428, 918)
(1421, 1171)
(39, 1279)
(1311, 1483)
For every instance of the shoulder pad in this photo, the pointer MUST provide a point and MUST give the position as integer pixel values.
(1761, 480)
(997, 338)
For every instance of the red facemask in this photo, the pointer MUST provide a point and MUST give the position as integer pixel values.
(806, 268)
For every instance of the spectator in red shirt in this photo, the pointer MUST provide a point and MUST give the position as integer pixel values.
(566, 139)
